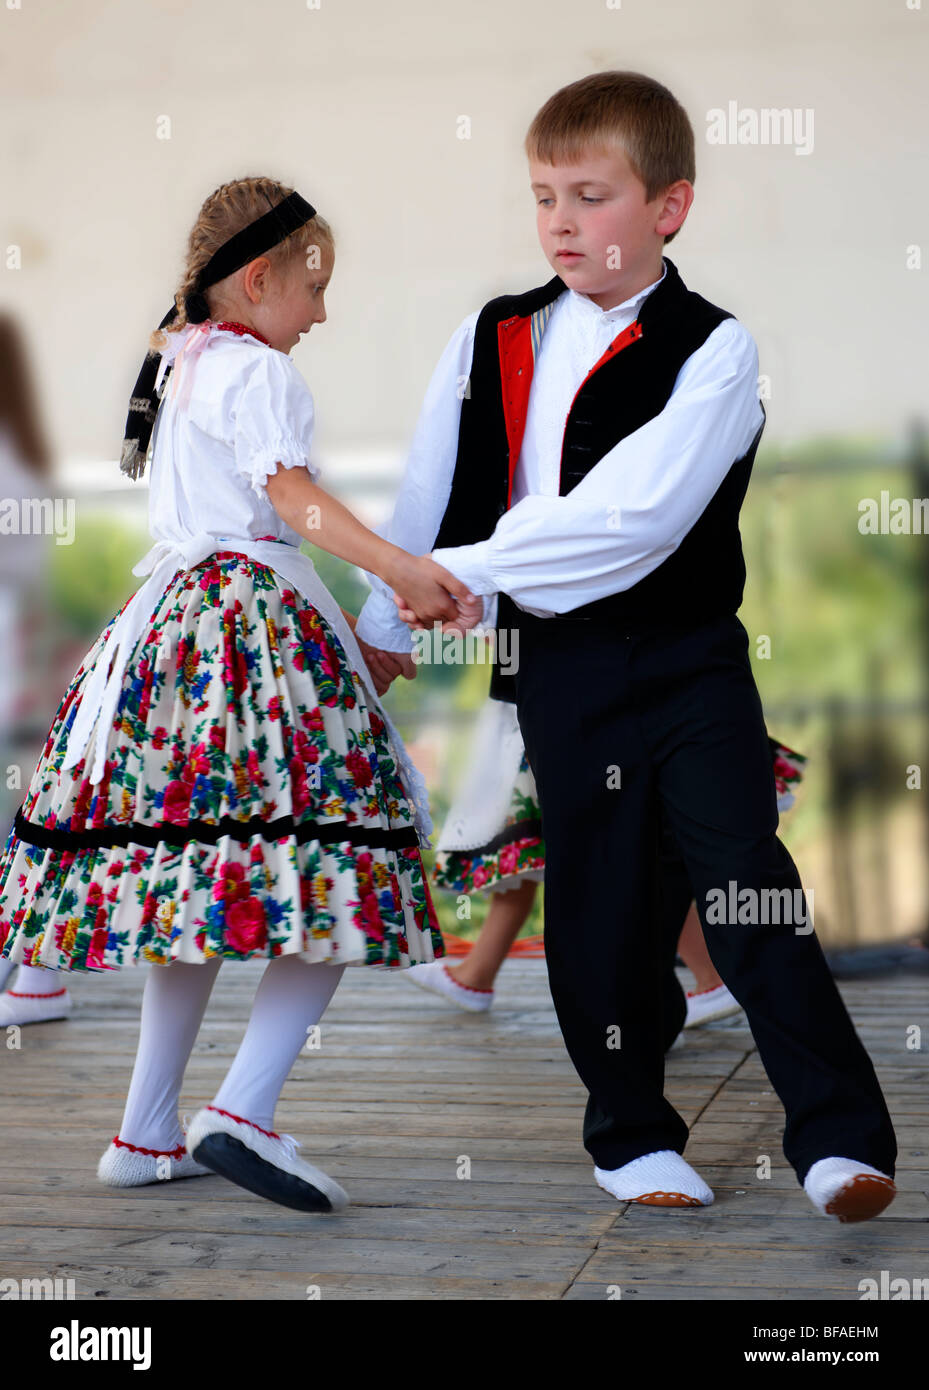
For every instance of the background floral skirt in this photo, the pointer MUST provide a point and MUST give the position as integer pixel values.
(514, 855)
(250, 804)
(514, 850)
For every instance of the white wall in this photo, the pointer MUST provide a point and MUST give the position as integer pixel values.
(356, 105)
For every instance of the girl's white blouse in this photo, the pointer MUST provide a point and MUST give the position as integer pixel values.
(230, 414)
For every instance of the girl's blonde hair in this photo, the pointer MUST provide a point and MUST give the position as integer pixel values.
(226, 211)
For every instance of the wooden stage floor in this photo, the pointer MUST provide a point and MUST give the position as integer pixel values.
(403, 1088)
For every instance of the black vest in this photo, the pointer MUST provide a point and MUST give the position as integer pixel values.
(705, 577)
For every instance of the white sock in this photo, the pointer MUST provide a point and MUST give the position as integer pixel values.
(173, 1005)
(35, 996)
(654, 1175)
(6, 969)
(291, 998)
(828, 1176)
(38, 979)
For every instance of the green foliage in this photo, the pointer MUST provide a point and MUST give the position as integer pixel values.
(92, 578)
(843, 610)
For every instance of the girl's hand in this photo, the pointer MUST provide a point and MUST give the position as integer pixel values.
(430, 591)
(386, 666)
(469, 615)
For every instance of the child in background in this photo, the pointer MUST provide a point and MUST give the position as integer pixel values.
(25, 478)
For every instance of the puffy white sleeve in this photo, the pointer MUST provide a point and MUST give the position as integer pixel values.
(272, 421)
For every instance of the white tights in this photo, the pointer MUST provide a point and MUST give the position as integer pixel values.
(291, 998)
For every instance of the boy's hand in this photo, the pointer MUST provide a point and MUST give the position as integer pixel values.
(430, 592)
(469, 615)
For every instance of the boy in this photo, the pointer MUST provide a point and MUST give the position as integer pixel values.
(592, 477)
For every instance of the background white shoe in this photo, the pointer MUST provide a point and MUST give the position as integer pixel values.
(432, 975)
(18, 1008)
(708, 1004)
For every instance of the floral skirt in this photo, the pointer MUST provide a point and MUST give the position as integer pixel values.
(515, 850)
(250, 805)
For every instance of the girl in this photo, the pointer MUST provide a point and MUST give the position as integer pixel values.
(221, 781)
(492, 843)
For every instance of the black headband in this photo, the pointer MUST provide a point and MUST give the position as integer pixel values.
(243, 246)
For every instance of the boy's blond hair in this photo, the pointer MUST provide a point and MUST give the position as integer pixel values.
(627, 108)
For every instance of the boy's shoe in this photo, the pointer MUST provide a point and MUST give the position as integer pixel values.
(16, 1008)
(706, 1004)
(126, 1165)
(261, 1161)
(432, 975)
(848, 1189)
(662, 1179)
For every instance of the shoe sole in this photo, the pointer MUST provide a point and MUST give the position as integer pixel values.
(228, 1156)
(861, 1198)
(714, 1014)
(657, 1199)
(666, 1199)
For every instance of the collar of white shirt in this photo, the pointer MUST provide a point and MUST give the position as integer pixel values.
(585, 307)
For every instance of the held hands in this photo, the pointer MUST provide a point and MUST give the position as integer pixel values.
(384, 666)
(426, 593)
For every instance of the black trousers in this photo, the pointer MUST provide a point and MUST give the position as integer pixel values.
(638, 741)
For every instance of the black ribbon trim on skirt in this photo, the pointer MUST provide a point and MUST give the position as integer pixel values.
(522, 830)
(211, 832)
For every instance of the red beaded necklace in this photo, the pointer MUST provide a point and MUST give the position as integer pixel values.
(241, 328)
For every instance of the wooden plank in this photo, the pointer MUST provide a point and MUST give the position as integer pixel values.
(318, 1245)
(104, 1281)
(401, 1086)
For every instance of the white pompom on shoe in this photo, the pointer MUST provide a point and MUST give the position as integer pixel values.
(261, 1161)
(660, 1179)
(848, 1189)
(126, 1165)
(432, 975)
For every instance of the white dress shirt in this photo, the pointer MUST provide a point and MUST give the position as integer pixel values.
(550, 553)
